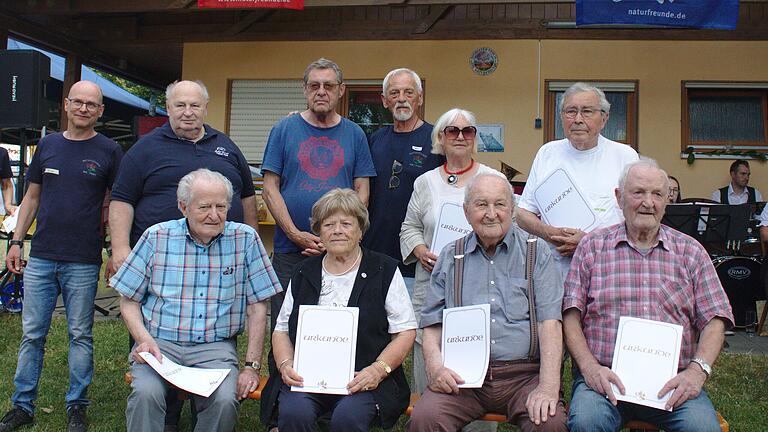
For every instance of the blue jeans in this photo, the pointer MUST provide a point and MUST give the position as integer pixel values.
(43, 281)
(591, 411)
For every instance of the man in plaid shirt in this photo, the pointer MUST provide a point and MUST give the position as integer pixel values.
(642, 269)
(189, 287)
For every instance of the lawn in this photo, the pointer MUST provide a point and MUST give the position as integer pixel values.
(739, 386)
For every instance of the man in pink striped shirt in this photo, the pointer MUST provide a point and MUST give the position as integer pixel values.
(642, 269)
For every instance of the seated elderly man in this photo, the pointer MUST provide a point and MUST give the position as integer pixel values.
(188, 287)
(521, 382)
(640, 268)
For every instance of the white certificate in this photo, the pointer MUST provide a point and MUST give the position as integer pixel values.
(466, 342)
(326, 342)
(9, 223)
(199, 381)
(561, 204)
(646, 356)
(451, 225)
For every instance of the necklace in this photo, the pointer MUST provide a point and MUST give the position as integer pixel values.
(453, 176)
(354, 264)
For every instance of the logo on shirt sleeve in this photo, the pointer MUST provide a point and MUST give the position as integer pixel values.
(53, 171)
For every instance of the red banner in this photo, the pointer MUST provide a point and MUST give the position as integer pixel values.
(274, 4)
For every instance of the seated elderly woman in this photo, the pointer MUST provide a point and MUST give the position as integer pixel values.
(346, 275)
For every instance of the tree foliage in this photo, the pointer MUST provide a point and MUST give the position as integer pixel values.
(139, 90)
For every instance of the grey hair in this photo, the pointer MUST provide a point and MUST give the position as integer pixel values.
(582, 87)
(394, 73)
(172, 86)
(642, 162)
(443, 121)
(184, 191)
(470, 189)
(323, 63)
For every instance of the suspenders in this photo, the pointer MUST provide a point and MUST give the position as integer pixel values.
(530, 264)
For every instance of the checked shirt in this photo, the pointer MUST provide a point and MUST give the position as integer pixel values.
(674, 282)
(192, 293)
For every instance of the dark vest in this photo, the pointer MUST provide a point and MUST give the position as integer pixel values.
(751, 197)
(369, 294)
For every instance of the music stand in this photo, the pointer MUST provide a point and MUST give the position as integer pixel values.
(683, 217)
(724, 223)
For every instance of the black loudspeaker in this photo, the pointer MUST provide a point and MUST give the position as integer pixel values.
(23, 75)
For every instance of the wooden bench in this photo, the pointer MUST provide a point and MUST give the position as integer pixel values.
(256, 394)
(634, 425)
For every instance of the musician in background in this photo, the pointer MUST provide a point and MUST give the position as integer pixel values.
(738, 191)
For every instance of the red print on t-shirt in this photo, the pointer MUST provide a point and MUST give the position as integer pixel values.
(321, 158)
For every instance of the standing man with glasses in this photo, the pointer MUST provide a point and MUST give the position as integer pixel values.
(306, 156)
(401, 152)
(591, 161)
(66, 251)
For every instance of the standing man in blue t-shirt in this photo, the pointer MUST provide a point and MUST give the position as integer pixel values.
(306, 156)
(400, 153)
(145, 188)
(66, 251)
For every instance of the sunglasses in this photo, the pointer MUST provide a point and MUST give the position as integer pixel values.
(452, 132)
(394, 180)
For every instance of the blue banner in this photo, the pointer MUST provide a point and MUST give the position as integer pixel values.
(712, 14)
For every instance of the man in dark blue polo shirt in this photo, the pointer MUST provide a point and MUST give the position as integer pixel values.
(68, 179)
(145, 189)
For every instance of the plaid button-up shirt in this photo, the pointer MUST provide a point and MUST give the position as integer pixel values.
(674, 282)
(194, 293)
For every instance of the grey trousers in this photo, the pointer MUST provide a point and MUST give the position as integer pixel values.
(145, 411)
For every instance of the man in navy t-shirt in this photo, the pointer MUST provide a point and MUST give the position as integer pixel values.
(7, 183)
(400, 153)
(145, 189)
(69, 176)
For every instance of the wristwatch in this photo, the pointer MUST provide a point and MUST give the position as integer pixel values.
(252, 365)
(703, 364)
(19, 243)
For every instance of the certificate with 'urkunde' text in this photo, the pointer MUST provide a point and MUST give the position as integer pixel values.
(645, 357)
(466, 342)
(451, 225)
(561, 204)
(195, 380)
(326, 342)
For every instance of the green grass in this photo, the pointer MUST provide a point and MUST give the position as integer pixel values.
(738, 387)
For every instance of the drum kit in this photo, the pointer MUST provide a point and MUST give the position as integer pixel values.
(730, 234)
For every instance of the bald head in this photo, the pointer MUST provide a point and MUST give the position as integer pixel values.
(86, 87)
(84, 107)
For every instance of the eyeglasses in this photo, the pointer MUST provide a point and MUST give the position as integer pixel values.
(586, 112)
(90, 106)
(452, 132)
(315, 86)
(394, 180)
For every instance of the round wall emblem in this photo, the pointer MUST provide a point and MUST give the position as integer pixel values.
(484, 61)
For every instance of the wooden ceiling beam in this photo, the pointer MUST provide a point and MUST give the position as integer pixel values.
(248, 20)
(64, 44)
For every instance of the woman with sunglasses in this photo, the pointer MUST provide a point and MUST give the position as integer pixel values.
(454, 136)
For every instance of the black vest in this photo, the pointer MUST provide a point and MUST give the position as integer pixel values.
(751, 197)
(369, 294)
